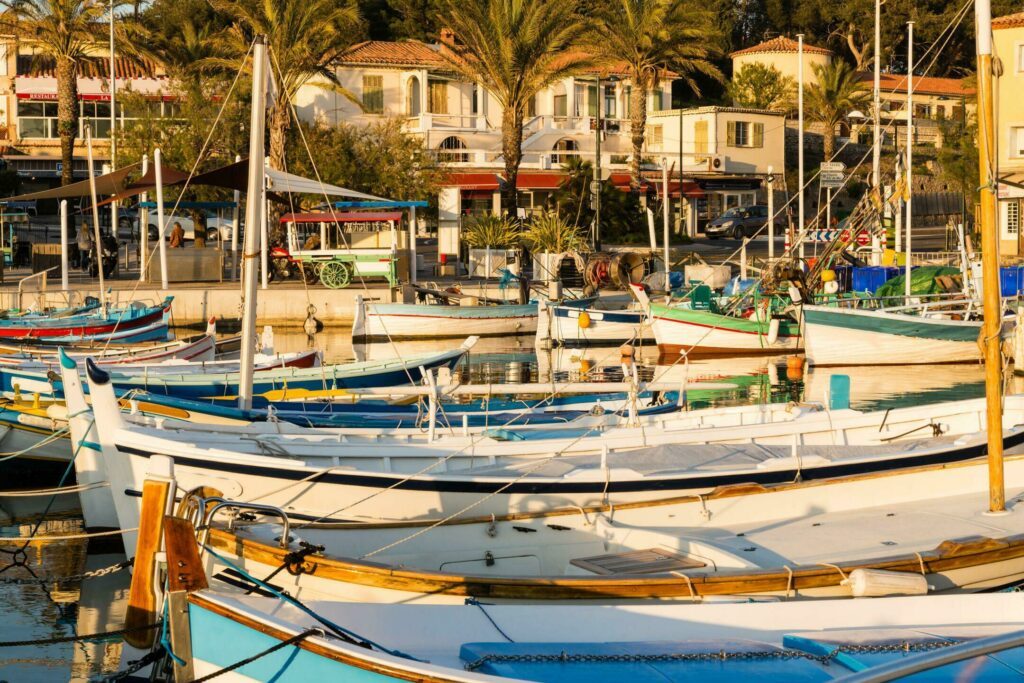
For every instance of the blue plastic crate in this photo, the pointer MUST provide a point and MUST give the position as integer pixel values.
(870, 278)
(1011, 280)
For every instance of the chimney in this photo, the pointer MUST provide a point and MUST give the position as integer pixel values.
(447, 36)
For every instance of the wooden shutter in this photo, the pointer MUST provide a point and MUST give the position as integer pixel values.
(700, 137)
(758, 135)
(730, 127)
(373, 94)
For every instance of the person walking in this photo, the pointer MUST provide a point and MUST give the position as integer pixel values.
(85, 244)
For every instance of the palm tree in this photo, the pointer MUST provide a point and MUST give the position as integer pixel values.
(836, 93)
(304, 37)
(64, 33)
(515, 49)
(650, 38)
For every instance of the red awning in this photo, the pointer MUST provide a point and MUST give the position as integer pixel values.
(690, 189)
(532, 180)
(473, 181)
(346, 217)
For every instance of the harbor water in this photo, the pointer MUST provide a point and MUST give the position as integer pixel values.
(37, 607)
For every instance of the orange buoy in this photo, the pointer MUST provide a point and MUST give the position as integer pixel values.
(584, 320)
(626, 350)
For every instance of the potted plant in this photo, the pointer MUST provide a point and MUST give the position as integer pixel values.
(550, 238)
(489, 238)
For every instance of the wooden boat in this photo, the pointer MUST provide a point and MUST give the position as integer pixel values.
(323, 474)
(398, 322)
(836, 335)
(225, 615)
(602, 323)
(797, 540)
(276, 382)
(132, 317)
(655, 643)
(683, 328)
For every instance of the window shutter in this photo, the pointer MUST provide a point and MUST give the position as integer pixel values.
(758, 135)
(731, 134)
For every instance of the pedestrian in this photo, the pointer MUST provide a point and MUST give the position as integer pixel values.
(177, 240)
(84, 245)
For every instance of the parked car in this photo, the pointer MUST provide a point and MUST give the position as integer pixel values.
(742, 221)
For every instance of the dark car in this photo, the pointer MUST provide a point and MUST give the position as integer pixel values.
(742, 221)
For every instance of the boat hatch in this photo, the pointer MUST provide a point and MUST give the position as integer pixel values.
(649, 561)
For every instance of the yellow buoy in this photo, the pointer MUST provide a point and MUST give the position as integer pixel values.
(584, 320)
(828, 275)
(585, 366)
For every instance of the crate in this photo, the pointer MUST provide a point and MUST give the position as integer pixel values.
(1011, 280)
(870, 278)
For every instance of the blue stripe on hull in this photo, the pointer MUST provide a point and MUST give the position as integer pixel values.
(222, 642)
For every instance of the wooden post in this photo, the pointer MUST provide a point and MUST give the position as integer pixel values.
(143, 600)
(990, 260)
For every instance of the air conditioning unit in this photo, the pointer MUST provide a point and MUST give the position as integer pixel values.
(716, 163)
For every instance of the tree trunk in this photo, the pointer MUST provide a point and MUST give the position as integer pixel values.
(279, 119)
(280, 122)
(829, 139)
(637, 128)
(67, 116)
(512, 150)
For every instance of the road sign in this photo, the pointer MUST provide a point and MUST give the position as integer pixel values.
(60, 167)
(833, 166)
(831, 179)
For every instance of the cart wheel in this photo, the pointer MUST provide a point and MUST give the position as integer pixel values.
(335, 275)
(311, 273)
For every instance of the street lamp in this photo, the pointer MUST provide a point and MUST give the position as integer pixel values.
(770, 179)
(595, 185)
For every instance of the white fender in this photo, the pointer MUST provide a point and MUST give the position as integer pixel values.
(773, 331)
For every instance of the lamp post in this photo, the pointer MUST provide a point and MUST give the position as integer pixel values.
(595, 185)
(770, 179)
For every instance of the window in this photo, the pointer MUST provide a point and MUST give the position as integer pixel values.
(628, 100)
(475, 105)
(592, 102)
(561, 105)
(745, 134)
(1020, 58)
(531, 107)
(579, 100)
(1011, 217)
(450, 143)
(700, 137)
(609, 102)
(438, 93)
(565, 149)
(655, 137)
(373, 94)
(3, 59)
(412, 97)
(922, 110)
(1017, 142)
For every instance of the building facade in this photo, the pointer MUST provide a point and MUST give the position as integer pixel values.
(783, 53)
(461, 122)
(1008, 44)
(29, 138)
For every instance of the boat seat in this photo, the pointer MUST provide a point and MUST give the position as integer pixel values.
(648, 561)
(641, 661)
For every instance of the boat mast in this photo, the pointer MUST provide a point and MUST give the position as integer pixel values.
(990, 259)
(910, 156)
(253, 219)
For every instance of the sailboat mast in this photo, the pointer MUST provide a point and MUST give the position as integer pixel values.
(990, 259)
(253, 220)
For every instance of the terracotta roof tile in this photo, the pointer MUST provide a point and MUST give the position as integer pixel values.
(393, 53)
(1009, 21)
(90, 67)
(781, 44)
(925, 85)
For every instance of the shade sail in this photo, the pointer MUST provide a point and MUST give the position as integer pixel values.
(111, 183)
(282, 182)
